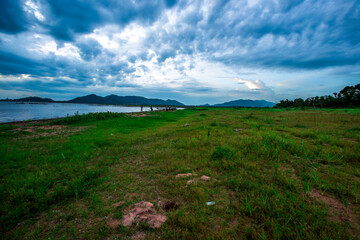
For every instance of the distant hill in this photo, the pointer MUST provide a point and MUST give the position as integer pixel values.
(136, 100)
(92, 99)
(127, 100)
(111, 99)
(246, 103)
(31, 99)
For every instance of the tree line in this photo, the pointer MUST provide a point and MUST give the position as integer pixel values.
(347, 97)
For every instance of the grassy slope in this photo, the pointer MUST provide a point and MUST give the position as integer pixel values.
(262, 176)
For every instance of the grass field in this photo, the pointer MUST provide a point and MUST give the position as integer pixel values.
(274, 174)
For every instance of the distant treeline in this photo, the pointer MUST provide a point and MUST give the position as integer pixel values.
(348, 97)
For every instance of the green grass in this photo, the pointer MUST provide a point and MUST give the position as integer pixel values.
(263, 176)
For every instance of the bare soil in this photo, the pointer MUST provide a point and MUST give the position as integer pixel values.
(144, 212)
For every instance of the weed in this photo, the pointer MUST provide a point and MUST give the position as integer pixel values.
(7, 127)
(249, 116)
(213, 124)
(77, 118)
(222, 152)
(356, 191)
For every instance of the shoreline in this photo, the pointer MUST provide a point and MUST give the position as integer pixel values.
(37, 121)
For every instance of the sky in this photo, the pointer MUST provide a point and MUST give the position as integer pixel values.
(192, 51)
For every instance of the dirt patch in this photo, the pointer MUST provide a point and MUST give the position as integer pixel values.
(57, 127)
(338, 212)
(30, 122)
(138, 115)
(144, 212)
(202, 178)
(50, 130)
(234, 222)
(357, 179)
(290, 171)
(138, 236)
(114, 223)
(184, 175)
(118, 204)
(30, 130)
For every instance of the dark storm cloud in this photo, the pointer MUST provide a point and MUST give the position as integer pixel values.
(67, 18)
(13, 18)
(300, 34)
(71, 17)
(12, 64)
(89, 49)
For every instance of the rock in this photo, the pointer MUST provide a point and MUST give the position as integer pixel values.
(184, 175)
(190, 181)
(205, 178)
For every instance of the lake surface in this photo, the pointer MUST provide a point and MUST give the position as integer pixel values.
(12, 111)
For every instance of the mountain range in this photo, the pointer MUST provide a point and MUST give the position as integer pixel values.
(111, 99)
(136, 100)
(127, 100)
(246, 103)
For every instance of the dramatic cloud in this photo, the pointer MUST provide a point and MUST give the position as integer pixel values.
(188, 50)
(254, 85)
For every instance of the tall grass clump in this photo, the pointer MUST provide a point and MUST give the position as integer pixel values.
(222, 152)
(77, 118)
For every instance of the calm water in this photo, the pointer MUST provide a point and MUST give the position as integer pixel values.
(11, 111)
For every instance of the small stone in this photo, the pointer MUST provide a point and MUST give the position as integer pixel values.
(190, 181)
(205, 178)
(184, 175)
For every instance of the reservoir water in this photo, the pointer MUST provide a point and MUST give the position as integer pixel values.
(13, 111)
